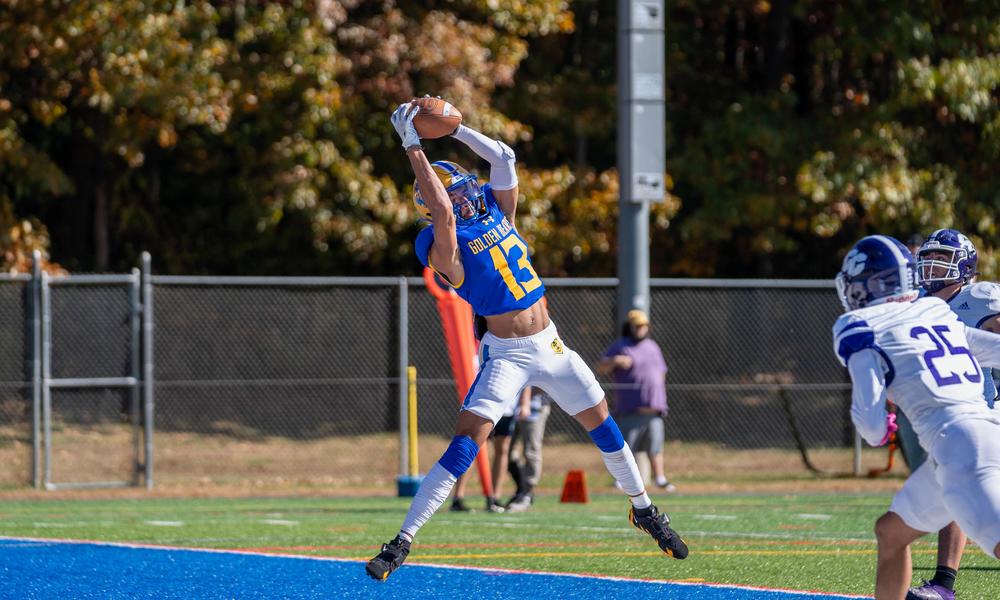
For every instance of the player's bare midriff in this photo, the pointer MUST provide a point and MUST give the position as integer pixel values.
(519, 323)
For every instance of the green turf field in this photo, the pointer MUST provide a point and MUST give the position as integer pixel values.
(805, 542)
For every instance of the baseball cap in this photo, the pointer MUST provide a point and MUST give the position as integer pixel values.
(637, 318)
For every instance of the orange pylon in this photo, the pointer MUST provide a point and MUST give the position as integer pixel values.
(575, 487)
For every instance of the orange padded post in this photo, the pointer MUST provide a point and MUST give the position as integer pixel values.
(456, 320)
(575, 487)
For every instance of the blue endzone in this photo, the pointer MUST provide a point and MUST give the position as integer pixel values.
(31, 569)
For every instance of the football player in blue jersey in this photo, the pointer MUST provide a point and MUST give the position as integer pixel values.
(946, 268)
(473, 244)
(918, 353)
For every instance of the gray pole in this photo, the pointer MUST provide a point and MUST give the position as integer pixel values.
(857, 453)
(641, 143)
(46, 326)
(35, 295)
(147, 361)
(633, 258)
(135, 370)
(404, 344)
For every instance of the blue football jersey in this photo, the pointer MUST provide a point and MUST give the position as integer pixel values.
(498, 273)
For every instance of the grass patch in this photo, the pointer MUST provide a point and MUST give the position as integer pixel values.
(817, 541)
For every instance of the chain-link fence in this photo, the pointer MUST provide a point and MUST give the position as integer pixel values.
(15, 381)
(737, 353)
(266, 381)
(290, 379)
(90, 367)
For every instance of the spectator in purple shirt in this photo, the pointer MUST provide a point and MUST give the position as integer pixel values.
(636, 365)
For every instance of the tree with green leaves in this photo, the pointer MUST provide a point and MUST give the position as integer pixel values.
(798, 127)
(252, 137)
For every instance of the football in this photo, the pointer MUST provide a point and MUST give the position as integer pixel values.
(435, 118)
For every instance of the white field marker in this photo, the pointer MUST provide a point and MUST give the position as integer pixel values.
(280, 522)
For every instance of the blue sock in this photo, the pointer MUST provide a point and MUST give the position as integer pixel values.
(607, 436)
(459, 455)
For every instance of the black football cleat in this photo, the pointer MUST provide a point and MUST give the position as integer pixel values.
(458, 505)
(657, 525)
(389, 559)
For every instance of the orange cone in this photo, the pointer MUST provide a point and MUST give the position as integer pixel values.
(575, 487)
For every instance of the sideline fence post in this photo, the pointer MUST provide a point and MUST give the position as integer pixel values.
(35, 303)
(147, 362)
(857, 453)
(46, 338)
(404, 327)
(135, 371)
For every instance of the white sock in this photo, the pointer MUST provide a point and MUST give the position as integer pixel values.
(621, 465)
(434, 490)
(641, 501)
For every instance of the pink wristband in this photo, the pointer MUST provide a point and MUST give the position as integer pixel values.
(891, 428)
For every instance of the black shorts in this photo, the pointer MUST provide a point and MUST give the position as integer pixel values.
(504, 428)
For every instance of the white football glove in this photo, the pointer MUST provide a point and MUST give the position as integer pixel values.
(402, 120)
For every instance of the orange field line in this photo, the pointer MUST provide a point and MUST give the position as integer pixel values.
(714, 542)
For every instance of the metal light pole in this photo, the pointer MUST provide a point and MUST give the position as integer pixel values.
(641, 142)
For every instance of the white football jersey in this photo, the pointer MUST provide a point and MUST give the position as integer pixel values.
(974, 304)
(930, 373)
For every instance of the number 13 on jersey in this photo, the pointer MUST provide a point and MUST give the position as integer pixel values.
(501, 262)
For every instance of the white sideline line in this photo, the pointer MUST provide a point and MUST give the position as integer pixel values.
(280, 522)
(195, 520)
(62, 525)
(45, 541)
(165, 523)
(814, 517)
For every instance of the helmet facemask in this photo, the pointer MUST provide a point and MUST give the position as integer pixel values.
(936, 271)
(467, 200)
(870, 289)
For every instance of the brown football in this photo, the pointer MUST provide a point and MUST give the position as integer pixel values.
(435, 118)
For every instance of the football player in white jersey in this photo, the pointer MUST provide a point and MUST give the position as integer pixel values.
(918, 353)
(946, 267)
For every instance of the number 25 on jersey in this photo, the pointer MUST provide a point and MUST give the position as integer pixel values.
(944, 351)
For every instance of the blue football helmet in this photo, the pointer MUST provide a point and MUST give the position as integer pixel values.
(467, 198)
(958, 266)
(877, 269)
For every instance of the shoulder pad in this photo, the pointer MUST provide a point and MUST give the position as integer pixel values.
(851, 334)
(928, 299)
(988, 291)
